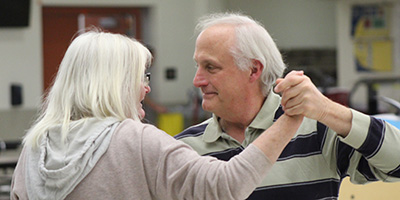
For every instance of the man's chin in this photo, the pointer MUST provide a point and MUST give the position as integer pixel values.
(207, 107)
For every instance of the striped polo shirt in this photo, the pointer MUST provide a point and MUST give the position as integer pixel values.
(316, 159)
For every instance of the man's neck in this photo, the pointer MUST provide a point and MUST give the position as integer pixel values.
(235, 130)
(236, 126)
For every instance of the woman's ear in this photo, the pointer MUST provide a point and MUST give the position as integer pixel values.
(256, 70)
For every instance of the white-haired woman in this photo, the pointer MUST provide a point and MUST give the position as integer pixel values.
(89, 142)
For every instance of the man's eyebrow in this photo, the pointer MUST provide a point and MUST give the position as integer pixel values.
(206, 61)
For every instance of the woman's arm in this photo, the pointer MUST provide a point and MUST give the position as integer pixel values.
(183, 174)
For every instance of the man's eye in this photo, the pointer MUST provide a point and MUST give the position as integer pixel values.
(210, 67)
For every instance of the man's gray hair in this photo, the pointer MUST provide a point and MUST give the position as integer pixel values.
(253, 42)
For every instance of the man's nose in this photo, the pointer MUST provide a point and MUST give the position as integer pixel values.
(199, 79)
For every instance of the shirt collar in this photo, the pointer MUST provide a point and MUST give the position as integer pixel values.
(263, 120)
(265, 116)
(213, 130)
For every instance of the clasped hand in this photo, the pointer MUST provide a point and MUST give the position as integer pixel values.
(301, 97)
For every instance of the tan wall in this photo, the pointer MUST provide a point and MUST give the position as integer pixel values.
(14, 123)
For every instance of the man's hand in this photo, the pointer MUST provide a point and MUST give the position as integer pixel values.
(301, 97)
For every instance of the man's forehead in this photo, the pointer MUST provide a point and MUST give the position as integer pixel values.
(214, 40)
(220, 30)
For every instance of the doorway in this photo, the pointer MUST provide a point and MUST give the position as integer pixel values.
(61, 24)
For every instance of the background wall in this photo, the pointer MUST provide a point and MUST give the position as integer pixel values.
(20, 62)
(168, 27)
(294, 24)
(304, 30)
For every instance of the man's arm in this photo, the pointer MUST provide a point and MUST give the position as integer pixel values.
(375, 141)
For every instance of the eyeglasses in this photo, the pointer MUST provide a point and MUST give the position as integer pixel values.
(147, 78)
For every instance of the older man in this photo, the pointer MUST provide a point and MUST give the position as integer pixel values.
(237, 65)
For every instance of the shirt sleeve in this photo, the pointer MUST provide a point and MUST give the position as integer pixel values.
(178, 172)
(377, 146)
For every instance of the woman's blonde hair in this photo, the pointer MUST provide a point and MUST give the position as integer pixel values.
(100, 76)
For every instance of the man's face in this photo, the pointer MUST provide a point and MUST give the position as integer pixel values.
(222, 84)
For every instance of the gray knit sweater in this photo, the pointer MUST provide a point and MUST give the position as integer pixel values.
(138, 161)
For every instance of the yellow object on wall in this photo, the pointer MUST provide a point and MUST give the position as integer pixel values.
(371, 32)
(370, 21)
(382, 55)
(171, 123)
(374, 55)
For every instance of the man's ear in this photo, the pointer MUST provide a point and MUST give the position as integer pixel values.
(256, 70)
